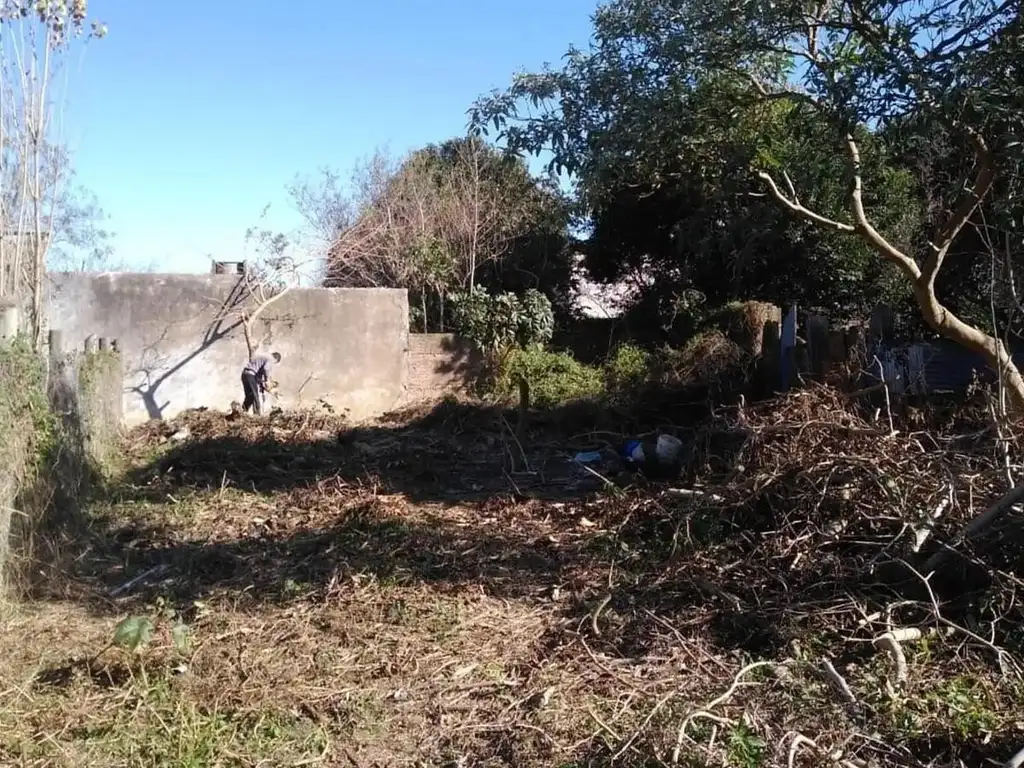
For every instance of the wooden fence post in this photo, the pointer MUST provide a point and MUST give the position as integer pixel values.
(881, 324)
(836, 348)
(817, 344)
(771, 352)
(787, 357)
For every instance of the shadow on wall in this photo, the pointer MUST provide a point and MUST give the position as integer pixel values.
(227, 320)
(71, 462)
(464, 359)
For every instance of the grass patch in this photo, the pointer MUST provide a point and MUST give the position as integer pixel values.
(151, 722)
(745, 748)
(968, 704)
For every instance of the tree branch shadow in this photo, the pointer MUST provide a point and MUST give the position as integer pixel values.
(221, 327)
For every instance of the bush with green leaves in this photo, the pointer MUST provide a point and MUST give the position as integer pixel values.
(134, 633)
(28, 435)
(504, 320)
(536, 318)
(627, 369)
(554, 377)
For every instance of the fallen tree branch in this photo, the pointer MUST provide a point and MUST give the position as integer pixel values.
(1017, 761)
(890, 641)
(841, 687)
(689, 493)
(922, 533)
(705, 711)
(597, 613)
(157, 570)
(799, 740)
(1005, 659)
(978, 525)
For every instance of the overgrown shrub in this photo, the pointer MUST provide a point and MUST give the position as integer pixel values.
(504, 320)
(554, 377)
(28, 431)
(742, 322)
(708, 358)
(59, 431)
(627, 369)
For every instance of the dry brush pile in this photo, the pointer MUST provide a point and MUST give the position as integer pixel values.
(430, 589)
(879, 562)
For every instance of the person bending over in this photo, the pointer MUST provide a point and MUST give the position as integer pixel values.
(255, 376)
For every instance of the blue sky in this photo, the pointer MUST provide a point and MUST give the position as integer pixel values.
(190, 117)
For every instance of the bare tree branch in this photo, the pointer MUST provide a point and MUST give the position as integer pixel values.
(969, 201)
(864, 227)
(799, 210)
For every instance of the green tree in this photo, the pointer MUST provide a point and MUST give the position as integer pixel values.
(846, 69)
(662, 155)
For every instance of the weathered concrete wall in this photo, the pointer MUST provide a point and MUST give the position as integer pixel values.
(60, 426)
(181, 340)
(86, 392)
(440, 363)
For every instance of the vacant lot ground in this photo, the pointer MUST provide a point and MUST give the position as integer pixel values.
(430, 591)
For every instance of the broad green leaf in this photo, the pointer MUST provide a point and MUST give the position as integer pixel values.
(133, 632)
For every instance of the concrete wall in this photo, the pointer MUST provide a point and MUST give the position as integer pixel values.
(182, 345)
(85, 391)
(440, 363)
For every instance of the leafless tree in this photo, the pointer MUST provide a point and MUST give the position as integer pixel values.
(428, 222)
(35, 38)
(273, 269)
(394, 207)
(481, 213)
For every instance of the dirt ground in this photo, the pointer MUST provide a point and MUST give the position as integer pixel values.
(432, 591)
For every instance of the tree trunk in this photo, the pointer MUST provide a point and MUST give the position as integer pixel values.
(247, 331)
(922, 277)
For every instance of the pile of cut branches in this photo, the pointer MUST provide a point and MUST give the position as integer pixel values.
(812, 467)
